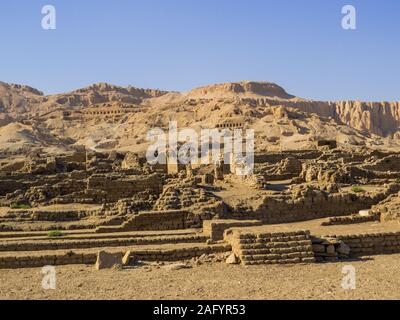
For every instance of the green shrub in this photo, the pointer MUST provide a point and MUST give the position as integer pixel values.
(358, 189)
(19, 206)
(55, 234)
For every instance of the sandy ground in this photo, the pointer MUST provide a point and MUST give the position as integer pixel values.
(316, 229)
(376, 278)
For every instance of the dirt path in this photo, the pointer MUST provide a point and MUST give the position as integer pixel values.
(377, 278)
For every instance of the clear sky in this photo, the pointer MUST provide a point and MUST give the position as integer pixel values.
(181, 44)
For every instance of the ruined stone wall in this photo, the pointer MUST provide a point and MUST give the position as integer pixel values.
(40, 215)
(275, 211)
(319, 205)
(333, 248)
(387, 164)
(353, 219)
(76, 157)
(70, 257)
(215, 229)
(151, 220)
(275, 157)
(119, 187)
(25, 181)
(372, 243)
(123, 241)
(9, 186)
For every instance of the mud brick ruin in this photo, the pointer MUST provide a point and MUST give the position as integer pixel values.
(75, 185)
(308, 206)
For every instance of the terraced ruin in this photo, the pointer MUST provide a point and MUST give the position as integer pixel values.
(309, 206)
(76, 188)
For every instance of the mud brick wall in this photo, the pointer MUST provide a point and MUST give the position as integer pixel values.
(9, 186)
(354, 219)
(271, 248)
(388, 164)
(371, 244)
(71, 215)
(71, 257)
(279, 177)
(65, 182)
(68, 186)
(39, 215)
(215, 229)
(79, 157)
(32, 261)
(10, 167)
(276, 210)
(55, 244)
(180, 254)
(119, 187)
(279, 156)
(152, 220)
(329, 249)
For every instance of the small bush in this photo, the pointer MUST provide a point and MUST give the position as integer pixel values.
(357, 189)
(19, 206)
(55, 234)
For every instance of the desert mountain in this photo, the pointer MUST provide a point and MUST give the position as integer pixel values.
(249, 89)
(106, 117)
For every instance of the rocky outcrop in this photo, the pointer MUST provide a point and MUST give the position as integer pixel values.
(381, 118)
(243, 88)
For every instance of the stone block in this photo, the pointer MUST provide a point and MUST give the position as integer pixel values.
(106, 260)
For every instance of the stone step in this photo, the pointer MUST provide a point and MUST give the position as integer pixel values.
(57, 244)
(255, 247)
(166, 252)
(90, 234)
(275, 250)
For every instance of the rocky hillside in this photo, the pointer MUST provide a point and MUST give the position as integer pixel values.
(280, 120)
(380, 118)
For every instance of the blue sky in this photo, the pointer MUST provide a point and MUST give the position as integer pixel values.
(181, 44)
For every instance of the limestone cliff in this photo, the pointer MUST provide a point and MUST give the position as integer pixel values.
(380, 118)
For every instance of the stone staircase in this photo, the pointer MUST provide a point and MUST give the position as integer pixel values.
(59, 244)
(151, 220)
(37, 250)
(254, 248)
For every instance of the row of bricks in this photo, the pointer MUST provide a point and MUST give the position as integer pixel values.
(275, 239)
(95, 243)
(289, 244)
(273, 235)
(286, 261)
(277, 250)
(90, 258)
(277, 256)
